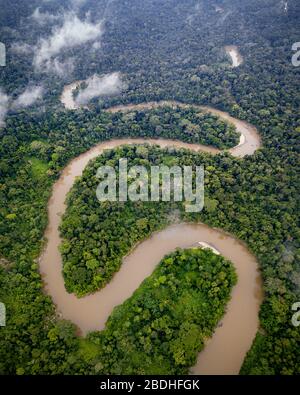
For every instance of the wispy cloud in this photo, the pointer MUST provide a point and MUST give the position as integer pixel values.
(44, 17)
(110, 84)
(22, 48)
(197, 9)
(72, 33)
(28, 97)
(4, 99)
(61, 68)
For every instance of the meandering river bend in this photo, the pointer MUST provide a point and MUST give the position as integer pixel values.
(224, 353)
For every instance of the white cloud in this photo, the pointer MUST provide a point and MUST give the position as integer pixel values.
(109, 84)
(43, 17)
(72, 33)
(28, 97)
(96, 45)
(4, 99)
(60, 68)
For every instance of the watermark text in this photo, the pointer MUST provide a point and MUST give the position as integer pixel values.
(160, 183)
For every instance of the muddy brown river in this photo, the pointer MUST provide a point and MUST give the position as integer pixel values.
(225, 351)
(249, 137)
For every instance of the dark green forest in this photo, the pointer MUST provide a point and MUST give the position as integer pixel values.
(170, 50)
(162, 327)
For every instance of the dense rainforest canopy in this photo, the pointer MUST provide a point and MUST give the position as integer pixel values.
(176, 53)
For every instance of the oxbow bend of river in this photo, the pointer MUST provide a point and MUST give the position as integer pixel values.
(225, 351)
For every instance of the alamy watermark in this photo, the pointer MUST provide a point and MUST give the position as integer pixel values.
(296, 316)
(159, 183)
(2, 314)
(2, 55)
(296, 56)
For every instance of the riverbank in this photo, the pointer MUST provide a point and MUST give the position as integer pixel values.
(91, 312)
(249, 137)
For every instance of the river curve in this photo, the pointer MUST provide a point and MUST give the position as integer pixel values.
(226, 350)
